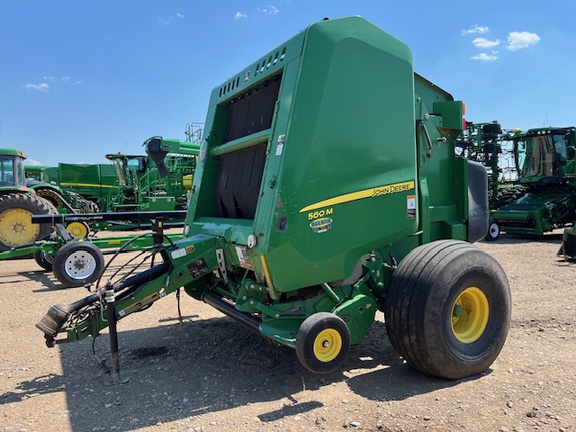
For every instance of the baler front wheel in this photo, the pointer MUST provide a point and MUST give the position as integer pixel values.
(447, 310)
(322, 342)
(78, 263)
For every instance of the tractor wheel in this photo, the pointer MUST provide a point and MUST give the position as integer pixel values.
(16, 227)
(43, 260)
(493, 231)
(447, 310)
(322, 342)
(78, 263)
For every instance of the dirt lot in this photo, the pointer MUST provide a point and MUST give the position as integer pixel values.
(209, 374)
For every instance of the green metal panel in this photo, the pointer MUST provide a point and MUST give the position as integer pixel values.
(91, 180)
(347, 165)
(351, 123)
(341, 167)
(161, 203)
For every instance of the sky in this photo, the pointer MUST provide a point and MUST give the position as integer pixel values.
(80, 79)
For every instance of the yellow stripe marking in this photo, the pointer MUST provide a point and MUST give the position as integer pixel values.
(88, 185)
(265, 268)
(366, 193)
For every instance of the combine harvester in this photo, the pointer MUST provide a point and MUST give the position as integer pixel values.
(301, 229)
(546, 197)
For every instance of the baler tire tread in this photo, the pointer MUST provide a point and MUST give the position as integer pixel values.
(317, 325)
(421, 301)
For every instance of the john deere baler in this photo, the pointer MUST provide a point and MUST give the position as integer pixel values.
(327, 189)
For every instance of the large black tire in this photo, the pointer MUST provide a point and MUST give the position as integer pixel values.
(16, 227)
(52, 196)
(448, 309)
(493, 233)
(322, 342)
(78, 263)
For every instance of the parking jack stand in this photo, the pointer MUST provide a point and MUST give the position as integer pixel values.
(114, 377)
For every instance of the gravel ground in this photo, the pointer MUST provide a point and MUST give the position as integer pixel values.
(209, 374)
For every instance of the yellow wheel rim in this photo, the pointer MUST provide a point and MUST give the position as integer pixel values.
(327, 345)
(16, 227)
(470, 315)
(77, 229)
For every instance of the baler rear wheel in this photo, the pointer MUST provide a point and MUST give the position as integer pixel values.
(448, 310)
(16, 227)
(322, 342)
(78, 263)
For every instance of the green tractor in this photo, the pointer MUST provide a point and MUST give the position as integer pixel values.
(546, 198)
(301, 229)
(18, 203)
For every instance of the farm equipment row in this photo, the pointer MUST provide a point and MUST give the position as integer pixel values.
(77, 262)
(135, 186)
(542, 197)
(301, 230)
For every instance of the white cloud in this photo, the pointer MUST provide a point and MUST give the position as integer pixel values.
(485, 43)
(33, 162)
(240, 15)
(476, 30)
(43, 87)
(486, 57)
(269, 10)
(521, 40)
(56, 79)
(168, 20)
